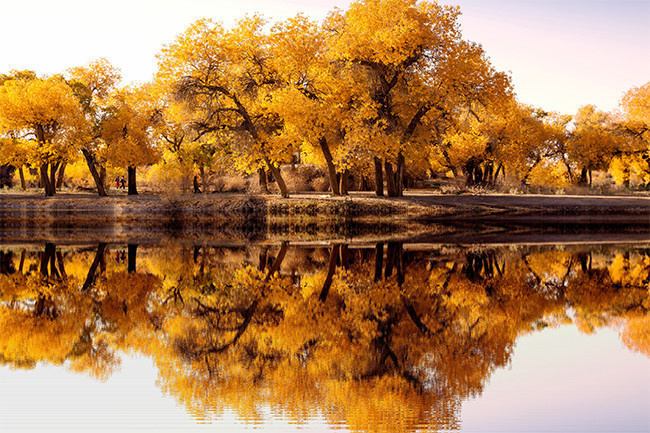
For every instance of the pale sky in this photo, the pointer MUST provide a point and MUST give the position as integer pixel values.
(562, 54)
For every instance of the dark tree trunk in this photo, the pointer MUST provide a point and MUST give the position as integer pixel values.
(583, 177)
(23, 185)
(478, 175)
(22, 261)
(331, 169)
(275, 171)
(344, 181)
(45, 181)
(379, 260)
(53, 168)
(59, 180)
(496, 174)
(131, 260)
(390, 179)
(45, 258)
(399, 176)
(488, 174)
(133, 189)
(101, 190)
(345, 256)
(331, 268)
(275, 267)
(197, 190)
(364, 184)
(261, 174)
(92, 271)
(379, 178)
(59, 260)
(469, 169)
(263, 259)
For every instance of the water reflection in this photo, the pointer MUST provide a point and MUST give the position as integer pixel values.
(386, 337)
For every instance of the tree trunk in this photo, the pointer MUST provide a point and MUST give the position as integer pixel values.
(399, 175)
(53, 168)
(45, 180)
(496, 174)
(133, 190)
(264, 187)
(331, 268)
(331, 169)
(590, 178)
(275, 171)
(197, 190)
(131, 260)
(23, 185)
(204, 178)
(478, 175)
(59, 180)
(488, 174)
(390, 179)
(379, 178)
(364, 184)
(97, 177)
(379, 260)
(524, 181)
(92, 271)
(469, 168)
(583, 177)
(344, 181)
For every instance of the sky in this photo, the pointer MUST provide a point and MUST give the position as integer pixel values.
(561, 54)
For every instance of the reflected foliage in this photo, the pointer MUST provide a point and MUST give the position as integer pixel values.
(390, 337)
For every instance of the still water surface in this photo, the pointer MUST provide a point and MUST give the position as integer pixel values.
(392, 337)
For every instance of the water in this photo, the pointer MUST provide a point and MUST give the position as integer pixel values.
(182, 335)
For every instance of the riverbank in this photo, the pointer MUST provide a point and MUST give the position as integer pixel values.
(416, 206)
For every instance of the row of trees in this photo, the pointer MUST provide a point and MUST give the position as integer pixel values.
(380, 338)
(387, 90)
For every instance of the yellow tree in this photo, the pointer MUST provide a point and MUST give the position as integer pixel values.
(46, 113)
(315, 98)
(92, 85)
(128, 131)
(415, 72)
(633, 132)
(228, 78)
(591, 145)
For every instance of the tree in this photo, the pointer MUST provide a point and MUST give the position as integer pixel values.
(92, 85)
(415, 73)
(46, 113)
(632, 128)
(228, 78)
(591, 145)
(128, 131)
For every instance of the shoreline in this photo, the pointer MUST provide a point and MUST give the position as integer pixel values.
(87, 210)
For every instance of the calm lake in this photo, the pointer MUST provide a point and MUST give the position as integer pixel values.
(348, 335)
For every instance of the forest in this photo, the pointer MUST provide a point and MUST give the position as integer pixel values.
(382, 96)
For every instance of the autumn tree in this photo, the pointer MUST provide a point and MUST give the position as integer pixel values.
(228, 78)
(128, 131)
(591, 144)
(92, 85)
(632, 129)
(44, 113)
(415, 72)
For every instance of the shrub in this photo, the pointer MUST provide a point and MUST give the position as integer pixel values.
(305, 177)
